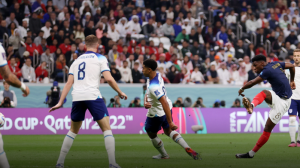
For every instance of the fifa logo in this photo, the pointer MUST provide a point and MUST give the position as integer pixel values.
(240, 121)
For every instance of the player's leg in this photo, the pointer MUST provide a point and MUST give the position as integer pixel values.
(3, 160)
(179, 140)
(258, 99)
(292, 122)
(152, 126)
(278, 108)
(100, 114)
(298, 138)
(77, 116)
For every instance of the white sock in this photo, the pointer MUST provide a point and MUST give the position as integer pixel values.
(3, 160)
(67, 144)
(251, 153)
(159, 145)
(292, 128)
(298, 139)
(109, 141)
(178, 139)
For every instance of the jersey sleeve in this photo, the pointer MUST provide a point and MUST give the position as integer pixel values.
(3, 61)
(156, 91)
(103, 63)
(282, 64)
(265, 74)
(71, 70)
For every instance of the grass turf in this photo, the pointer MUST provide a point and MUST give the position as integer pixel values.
(135, 151)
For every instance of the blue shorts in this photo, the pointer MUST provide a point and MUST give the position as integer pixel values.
(154, 124)
(295, 107)
(96, 107)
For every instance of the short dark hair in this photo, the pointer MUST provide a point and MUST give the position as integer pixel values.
(150, 63)
(259, 58)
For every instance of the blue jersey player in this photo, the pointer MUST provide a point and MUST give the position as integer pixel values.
(159, 113)
(279, 98)
(84, 75)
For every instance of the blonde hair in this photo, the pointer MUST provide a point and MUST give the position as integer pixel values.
(91, 41)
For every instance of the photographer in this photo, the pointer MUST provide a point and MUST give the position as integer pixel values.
(236, 103)
(53, 95)
(178, 102)
(8, 97)
(115, 102)
(135, 103)
(199, 103)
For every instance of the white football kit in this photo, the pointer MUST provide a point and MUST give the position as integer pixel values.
(155, 90)
(3, 61)
(87, 70)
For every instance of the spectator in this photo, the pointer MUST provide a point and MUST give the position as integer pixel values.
(168, 29)
(89, 30)
(35, 24)
(236, 104)
(69, 54)
(113, 53)
(186, 76)
(162, 62)
(79, 32)
(260, 23)
(212, 74)
(23, 29)
(74, 57)
(137, 52)
(224, 74)
(159, 29)
(30, 47)
(143, 46)
(148, 14)
(134, 27)
(13, 66)
(251, 74)
(11, 19)
(41, 71)
(10, 94)
(250, 51)
(187, 63)
(186, 26)
(19, 14)
(240, 51)
(247, 63)
(15, 40)
(261, 50)
(136, 74)
(126, 73)
(197, 76)
(80, 49)
(121, 27)
(209, 37)
(65, 47)
(47, 57)
(53, 95)
(140, 60)
(38, 40)
(251, 24)
(115, 72)
(292, 38)
(161, 15)
(135, 103)
(60, 68)
(172, 73)
(221, 35)
(113, 34)
(28, 72)
(177, 27)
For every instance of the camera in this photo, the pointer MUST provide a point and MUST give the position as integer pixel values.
(6, 102)
(112, 100)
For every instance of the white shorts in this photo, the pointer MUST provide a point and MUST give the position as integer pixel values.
(278, 107)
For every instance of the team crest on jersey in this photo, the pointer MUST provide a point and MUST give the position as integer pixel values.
(156, 92)
(290, 110)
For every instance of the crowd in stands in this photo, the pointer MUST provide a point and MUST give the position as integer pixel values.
(193, 41)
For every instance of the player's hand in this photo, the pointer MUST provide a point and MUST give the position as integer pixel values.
(293, 85)
(147, 105)
(240, 92)
(55, 107)
(26, 91)
(123, 96)
(173, 126)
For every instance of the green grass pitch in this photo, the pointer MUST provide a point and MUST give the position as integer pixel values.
(136, 151)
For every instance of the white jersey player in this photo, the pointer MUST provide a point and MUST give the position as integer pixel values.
(160, 112)
(295, 103)
(84, 75)
(11, 79)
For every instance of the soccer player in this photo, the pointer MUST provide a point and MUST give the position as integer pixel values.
(84, 75)
(295, 104)
(11, 79)
(160, 112)
(279, 98)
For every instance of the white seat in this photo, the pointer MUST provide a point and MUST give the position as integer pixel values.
(166, 41)
(155, 40)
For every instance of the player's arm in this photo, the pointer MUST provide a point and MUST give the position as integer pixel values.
(11, 79)
(112, 83)
(251, 83)
(167, 111)
(291, 67)
(147, 105)
(64, 93)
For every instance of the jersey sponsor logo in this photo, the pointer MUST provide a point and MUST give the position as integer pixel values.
(156, 92)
